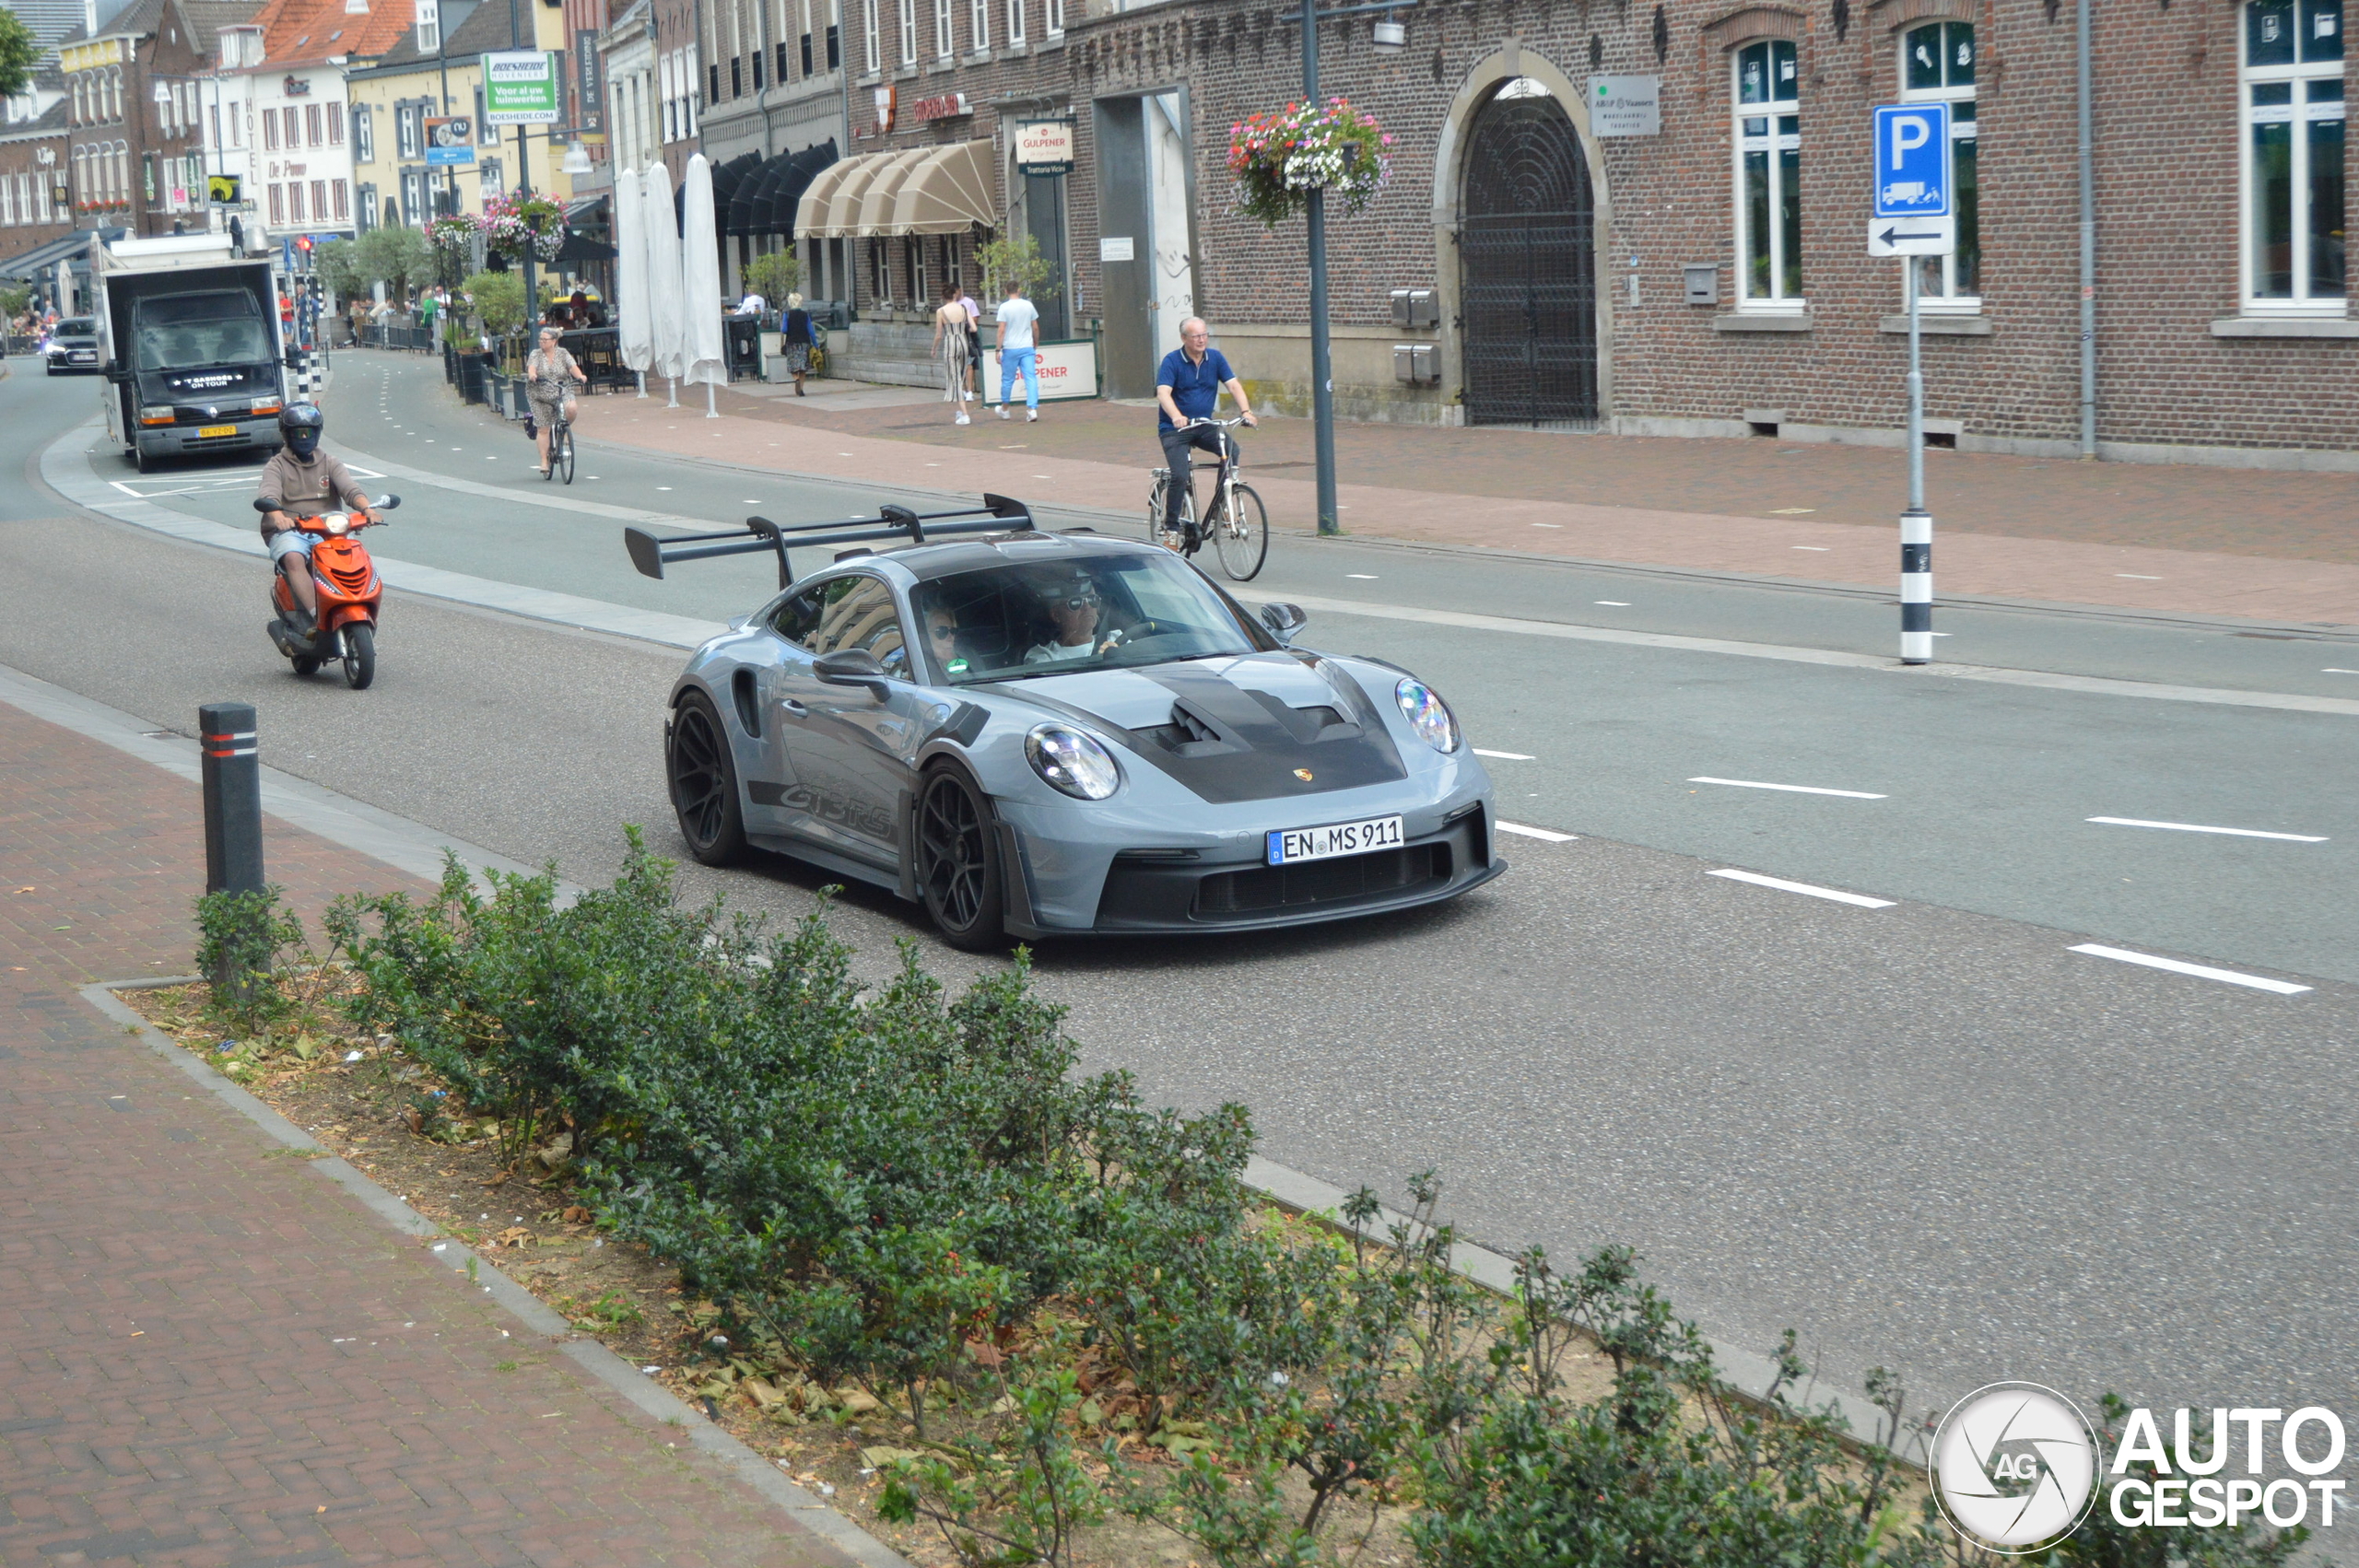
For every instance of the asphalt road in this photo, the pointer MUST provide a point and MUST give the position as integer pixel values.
(1926, 1135)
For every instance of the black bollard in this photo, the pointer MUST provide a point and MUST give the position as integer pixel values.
(232, 783)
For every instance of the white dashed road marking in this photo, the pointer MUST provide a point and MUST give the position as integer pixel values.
(1789, 789)
(1504, 756)
(1861, 899)
(2200, 971)
(1549, 836)
(2192, 828)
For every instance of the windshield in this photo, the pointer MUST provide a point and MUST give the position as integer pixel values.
(78, 326)
(1099, 612)
(196, 331)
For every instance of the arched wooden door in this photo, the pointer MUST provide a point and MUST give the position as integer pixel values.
(1528, 265)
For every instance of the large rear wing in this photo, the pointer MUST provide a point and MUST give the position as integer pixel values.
(998, 514)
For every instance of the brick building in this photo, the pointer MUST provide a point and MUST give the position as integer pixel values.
(1710, 277)
(137, 101)
(34, 150)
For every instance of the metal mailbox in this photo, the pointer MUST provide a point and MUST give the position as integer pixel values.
(1415, 308)
(1415, 364)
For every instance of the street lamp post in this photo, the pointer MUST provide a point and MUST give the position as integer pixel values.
(1322, 382)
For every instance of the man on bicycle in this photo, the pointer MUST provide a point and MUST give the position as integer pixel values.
(1188, 388)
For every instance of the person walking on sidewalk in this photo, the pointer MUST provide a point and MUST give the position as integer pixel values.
(795, 332)
(1188, 388)
(1019, 351)
(974, 342)
(952, 333)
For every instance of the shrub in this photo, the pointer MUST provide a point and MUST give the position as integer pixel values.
(774, 276)
(241, 936)
(1019, 259)
(497, 298)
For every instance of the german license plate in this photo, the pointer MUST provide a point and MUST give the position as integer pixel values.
(84, 356)
(216, 430)
(1295, 845)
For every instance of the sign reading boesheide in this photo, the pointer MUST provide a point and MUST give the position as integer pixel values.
(519, 89)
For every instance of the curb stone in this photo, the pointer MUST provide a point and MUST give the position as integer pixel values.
(601, 1363)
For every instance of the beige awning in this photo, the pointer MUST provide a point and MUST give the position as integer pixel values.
(876, 201)
(811, 211)
(948, 192)
(842, 219)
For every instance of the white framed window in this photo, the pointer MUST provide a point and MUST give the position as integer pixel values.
(944, 43)
(1937, 66)
(364, 135)
(1769, 144)
(868, 33)
(978, 23)
(1056, 9)
(908, 20)
(1015, 21)
(2296, 204)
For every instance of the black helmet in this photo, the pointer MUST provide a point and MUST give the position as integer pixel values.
(302, 424)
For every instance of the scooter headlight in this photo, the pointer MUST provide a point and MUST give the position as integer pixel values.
(336, 522)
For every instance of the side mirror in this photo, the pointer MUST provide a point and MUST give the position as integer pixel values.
(852, 667)
(263, 506)
(1283, 620)
(389, 503)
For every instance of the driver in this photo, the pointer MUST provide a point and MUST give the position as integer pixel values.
(1074, 608)
(300, 481)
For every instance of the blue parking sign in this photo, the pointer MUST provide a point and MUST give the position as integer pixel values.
(1912, 160)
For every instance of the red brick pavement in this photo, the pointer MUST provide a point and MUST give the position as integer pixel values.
(2161, 539)
(212, 1357)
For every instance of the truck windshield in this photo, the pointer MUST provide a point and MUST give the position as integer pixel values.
(193, 331)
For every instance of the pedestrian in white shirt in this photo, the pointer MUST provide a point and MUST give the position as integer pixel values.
(1019, 350)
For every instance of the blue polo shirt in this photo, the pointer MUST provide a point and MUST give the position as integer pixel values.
(1195, 389)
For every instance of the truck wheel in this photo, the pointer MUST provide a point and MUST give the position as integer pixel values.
(140, 459)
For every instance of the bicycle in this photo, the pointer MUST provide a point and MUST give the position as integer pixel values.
(560, 446)
(1240, 525)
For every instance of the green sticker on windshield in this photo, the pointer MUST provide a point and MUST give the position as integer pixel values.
(958, 666)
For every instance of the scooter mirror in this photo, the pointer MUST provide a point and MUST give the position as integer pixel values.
(388, 503)
(263, 506)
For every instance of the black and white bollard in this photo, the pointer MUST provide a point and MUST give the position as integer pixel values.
(1916, 586)
(232, 783)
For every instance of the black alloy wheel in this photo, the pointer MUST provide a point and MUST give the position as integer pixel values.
(704, 784)
(958, 865)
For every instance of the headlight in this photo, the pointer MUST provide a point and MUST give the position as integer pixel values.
(1072, 762)
(1427, 714)
(156, 413)
(336, 522)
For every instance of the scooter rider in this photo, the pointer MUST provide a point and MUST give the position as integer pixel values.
(301, 480)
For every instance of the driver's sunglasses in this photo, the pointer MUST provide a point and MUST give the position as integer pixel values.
(1082, 601)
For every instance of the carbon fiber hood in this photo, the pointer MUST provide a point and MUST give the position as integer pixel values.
(1234, 729)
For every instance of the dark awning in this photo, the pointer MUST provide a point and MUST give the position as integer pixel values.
(73, 246)
(751, 189)
(776, 214)
(579, 247)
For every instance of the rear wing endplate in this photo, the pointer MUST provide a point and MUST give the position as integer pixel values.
(650, 554)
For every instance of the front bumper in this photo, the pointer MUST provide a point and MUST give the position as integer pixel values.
(1164, 891)
(169, 440)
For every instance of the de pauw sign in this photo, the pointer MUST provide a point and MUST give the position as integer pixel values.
(520, 89)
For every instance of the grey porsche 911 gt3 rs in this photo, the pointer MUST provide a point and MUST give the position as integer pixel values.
(1041, 734)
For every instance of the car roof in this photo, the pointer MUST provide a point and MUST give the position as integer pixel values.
(923, 563)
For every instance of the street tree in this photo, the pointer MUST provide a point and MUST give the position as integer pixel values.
(395, 257)
(18, 53)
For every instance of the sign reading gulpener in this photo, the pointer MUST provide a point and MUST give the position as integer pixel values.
(1044, 146)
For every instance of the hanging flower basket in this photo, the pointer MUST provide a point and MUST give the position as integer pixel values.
(1278, 159)
(510, 223)
(452, 233)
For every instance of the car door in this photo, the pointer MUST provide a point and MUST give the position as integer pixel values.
(760, 688)
(849, 750)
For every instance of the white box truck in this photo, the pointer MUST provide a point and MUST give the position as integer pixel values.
(189, 339)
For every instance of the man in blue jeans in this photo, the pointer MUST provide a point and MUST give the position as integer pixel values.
(1019, 350)
(1189, 387)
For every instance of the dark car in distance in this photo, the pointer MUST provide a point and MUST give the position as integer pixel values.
(73, 345)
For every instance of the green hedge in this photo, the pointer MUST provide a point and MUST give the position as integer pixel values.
(915, 1191)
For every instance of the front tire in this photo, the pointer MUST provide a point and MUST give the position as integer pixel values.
(359, 655)
(703, 779)
(959, 867)
(566, 441)
(1242, 538)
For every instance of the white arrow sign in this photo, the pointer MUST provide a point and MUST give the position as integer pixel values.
(1912, 236)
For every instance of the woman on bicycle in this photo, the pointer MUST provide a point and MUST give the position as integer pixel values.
(548, 373)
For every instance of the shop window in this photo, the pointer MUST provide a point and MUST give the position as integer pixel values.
(2295, 207)
(1937, 65)
(1768, 177)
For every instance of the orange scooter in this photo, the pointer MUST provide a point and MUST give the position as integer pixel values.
(344, 580)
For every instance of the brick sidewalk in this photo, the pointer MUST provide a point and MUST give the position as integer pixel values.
(2227, 541)
(215, 1357)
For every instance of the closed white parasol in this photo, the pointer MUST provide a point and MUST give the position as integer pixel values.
(664, 313)
(631, 277)
(707, 353)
